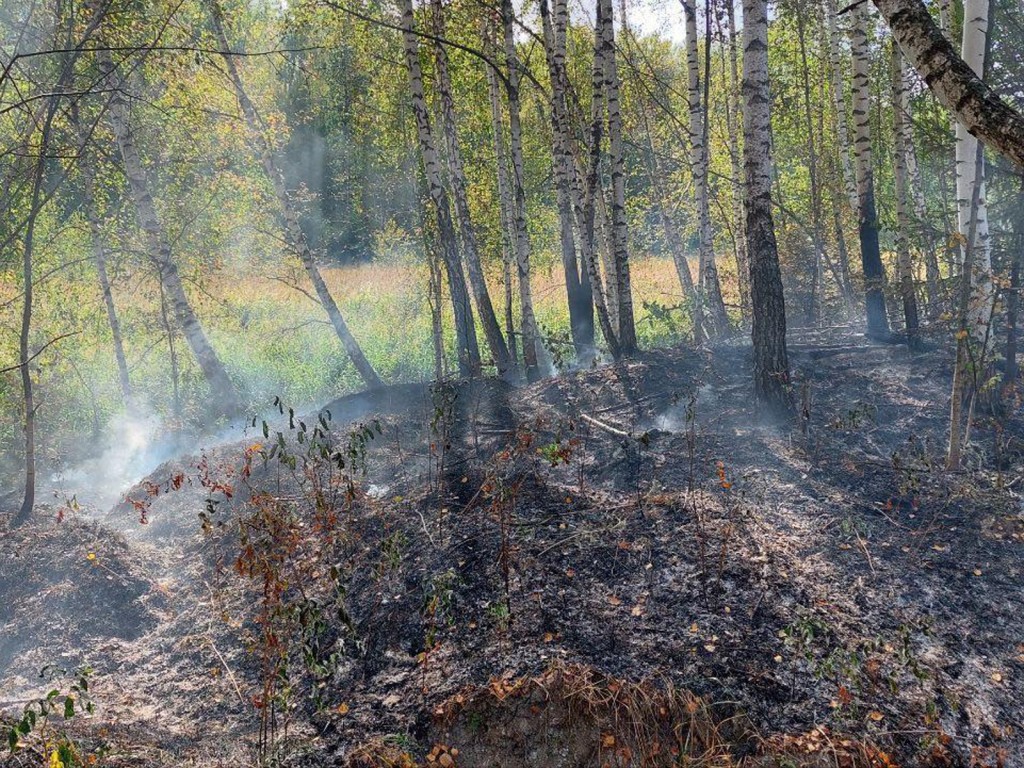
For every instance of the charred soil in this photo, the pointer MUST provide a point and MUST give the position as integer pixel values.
(617, 566)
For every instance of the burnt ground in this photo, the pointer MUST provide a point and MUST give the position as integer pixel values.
(619, 566)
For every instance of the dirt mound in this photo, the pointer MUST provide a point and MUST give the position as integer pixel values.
(821, 590)
(67, 588)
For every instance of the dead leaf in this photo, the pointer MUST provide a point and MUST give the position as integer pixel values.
(875, 715)
(613, 600)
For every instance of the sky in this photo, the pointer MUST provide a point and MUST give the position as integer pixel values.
(662, 17)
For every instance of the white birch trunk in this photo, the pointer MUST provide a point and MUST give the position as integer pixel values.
(159, 248)
(620, 235)
(771, 363)
(460, 194)
(289, 212)
(531, 333)
(465, 329)
(975, 35)
(839, 96)
(710, 292)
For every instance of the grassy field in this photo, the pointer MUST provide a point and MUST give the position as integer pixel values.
(274, 339)
(290, 349)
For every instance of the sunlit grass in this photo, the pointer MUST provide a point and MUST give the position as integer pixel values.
(274, 339)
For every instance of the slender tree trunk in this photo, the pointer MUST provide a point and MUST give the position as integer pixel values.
(578, 289)
(870, 251)
(926, 238)
(99, 257)
(839, 95)
(159, 250)
(817, 230)
(1013, 297)
(620, 235)
(460, 193)
(768, 306)
(964, 353)
(505, 204)
(975, 36)
(465, 329)
(172, 356)
(531, 335)
(710, 291)
(290, 213)
(435, 281)
(733, 119)
(905, 265)
(590, 202)
(24, 337)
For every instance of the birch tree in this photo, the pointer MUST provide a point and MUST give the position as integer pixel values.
(290, 214)
(867, 215)
(968, 177)
(531, 334)
(953, 81)
(768, 306)
(734, 119)
(460, 194)
(577, 280)
(709, 289)
(509, 239)
(158, 246)
(620, 236)
(901, 152)
(465, 330)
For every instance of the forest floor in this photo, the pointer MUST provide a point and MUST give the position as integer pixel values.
(618, 566)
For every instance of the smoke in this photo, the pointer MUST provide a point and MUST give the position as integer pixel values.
(133, 445)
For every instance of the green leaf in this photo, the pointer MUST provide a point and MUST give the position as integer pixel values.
(69, 708)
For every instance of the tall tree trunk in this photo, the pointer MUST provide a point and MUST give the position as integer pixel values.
(1013, 297)
(964, 354)
(817, 231)
(839, 96)
(905, 265)
(531, 334)
(870, 251)
(159, 248)
(290, 213)
(28, 499)
(435, 281)
(578, 289)
(926, 237)
(768, 306)
(460, 193)
(465, 329)
(733, 118)
(620, 235)
(710, 291)
(505, 204)
(99, 258)
(975, 35)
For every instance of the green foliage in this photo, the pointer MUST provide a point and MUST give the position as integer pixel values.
(42, 722)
